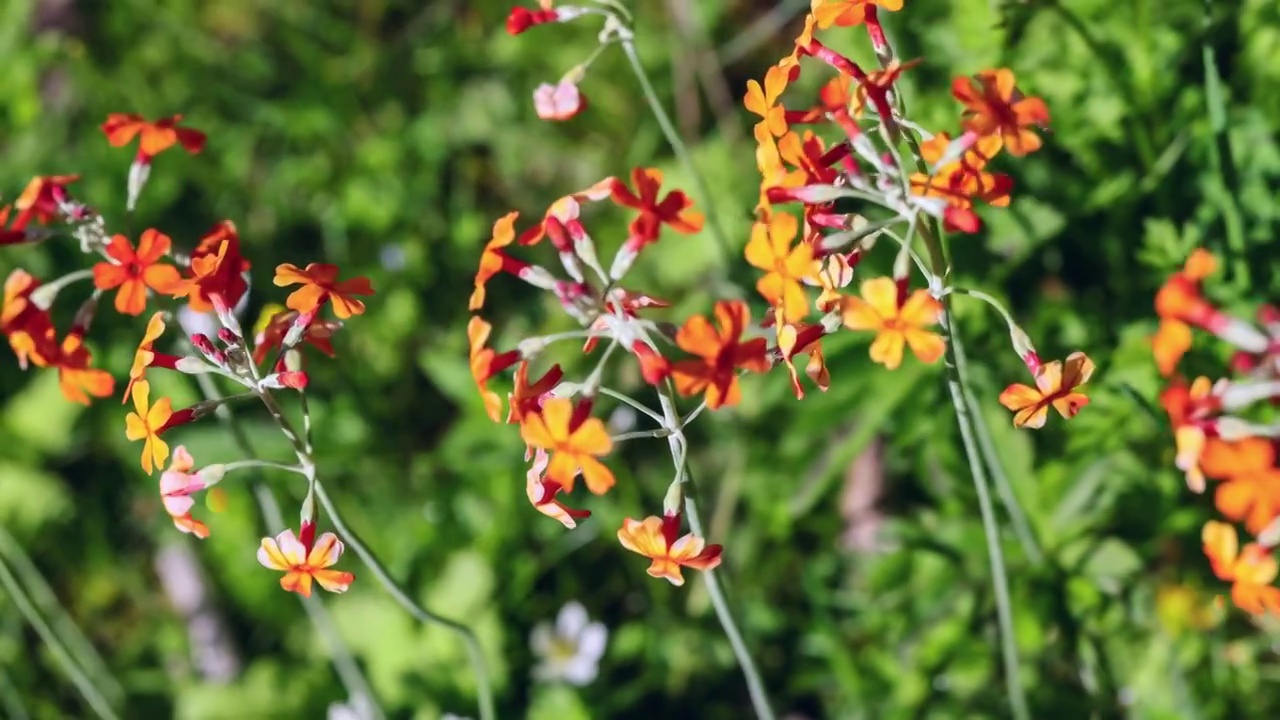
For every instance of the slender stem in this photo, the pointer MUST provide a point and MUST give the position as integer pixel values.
(87, 689)
(483, 686)
(61, 622)
(677, 145)
(632, 402)
(640, 435)
(956, 385)
(679, 456)
(254, 463)
(344, 662)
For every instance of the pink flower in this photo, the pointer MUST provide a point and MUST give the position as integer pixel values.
(178, 484)
(558, 102)
(542, 493)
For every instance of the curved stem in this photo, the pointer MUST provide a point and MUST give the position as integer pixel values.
(677, 145)
(679, 456)
(956, 385)
(83, 684)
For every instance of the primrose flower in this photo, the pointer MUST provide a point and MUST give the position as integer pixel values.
(136, 270)
(146, 423)
(993, 106)
(570, 651)
(75, 377)
(961, 182)
(562, 101)
(485, 363)
(770, 249)
(658, 538)
(494, 259)
(1252, 496)
(178, 484)
(275, 323)
(320, 283)
(763, 101)
(217, 268)
(574, 439)
(28, 328)
(42, 200)
(155, 136)
(1251, 570)
(1056, 386)
(674, 210)
(527, 397)
(305, 560)
(720, 353)
(1181, 306)
(542, 493)
(849, 13)
(899, 320)
(146, 356)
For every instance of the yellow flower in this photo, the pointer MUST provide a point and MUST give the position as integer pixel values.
(897, 321)
(147, 423)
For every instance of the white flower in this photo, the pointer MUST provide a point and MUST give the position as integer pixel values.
(571, 651)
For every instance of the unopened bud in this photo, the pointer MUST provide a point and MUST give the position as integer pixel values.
(211, 475)
(228, 338)
(298, 329)
(226, 315)
(291, 360)
(192, 365)
(531, 347)
(1023, 347)
(139, 171)
(673, 501)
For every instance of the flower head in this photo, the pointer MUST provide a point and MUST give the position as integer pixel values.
(1056, 385)
(146, 423)
(275, 325)
(763, 101)
(574, 439)
(320, 283)
(178, 484)
(571, 650)
(785, 266)
(898, 320)
(133, 271)
(494, 259)
(146, 356)
(848, 13)
(561, 101)
(993, 106)
(42, 200)
(527, 397)
(217, 268)
(155, 136)
(658, 538)
(674, 210)
(303, 562)
(1251, 570)
(720, 353)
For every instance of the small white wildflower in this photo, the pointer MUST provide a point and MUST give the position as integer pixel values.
(571, 651)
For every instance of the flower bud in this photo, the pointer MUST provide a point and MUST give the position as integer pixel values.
(673, 501)
(192, 365)
(295, 380)
(226, 315)
(211, 475)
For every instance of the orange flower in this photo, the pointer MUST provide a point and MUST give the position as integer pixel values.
(77, 380)
(303, 563)
(961, 182)
(898, 320)
(146, 424)
(29, 329)
(146, 356)
(657, 538)
(1251, 497)
(178, 484)
(136, 270)
(720, 352)
(278, 321)
(41, 200)
(1056, 385)
(527, 397)
(848, 13)
(542, 493)
(156, 137)
(993, 106)
(800, 339)
(320, 283)
(485, 363)
(575, 440)
(217, 268)
(877, 85)
(673, 210)
(1251, 571)
(770, 249)
(1181, 306)
(764, 101)
(493, 259)
(1226, 459)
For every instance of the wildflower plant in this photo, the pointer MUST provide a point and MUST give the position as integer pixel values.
(840, 174)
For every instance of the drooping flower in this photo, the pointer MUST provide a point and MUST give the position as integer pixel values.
(562, 101)
(178, 484)
(320, 283)
(770, 249)
(1057, 386)
(574, 439)
(542, 493)
(146, 356)
(494, 258)
(146, 423)
(993, 106)
(136, 270)
(1250, 571)
(899, 320)
(875, 88)
(570, 651)
(302, 562)
(720, 353)
(155, 136)
(76, 378)
(674, 210)
(485, 363)
(659, 539)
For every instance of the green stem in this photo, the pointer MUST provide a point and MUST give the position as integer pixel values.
(10, 700)
(97, 702)
(344, 663)
(483, 686)
(956, 385)
(677, 145)
(679, 456)
(61, 622)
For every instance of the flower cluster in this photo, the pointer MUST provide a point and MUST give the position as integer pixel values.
(207, 288)
(565, 440)
(844, 161)
(1221, 430)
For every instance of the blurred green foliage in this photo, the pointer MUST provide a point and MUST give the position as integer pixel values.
(387, 136)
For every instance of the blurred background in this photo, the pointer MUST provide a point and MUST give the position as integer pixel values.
(386, 137)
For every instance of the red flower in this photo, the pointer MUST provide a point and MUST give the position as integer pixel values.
(673, 210)
(319, 334)
(28, 328)
(319, 284)
(721, 352)
(217, 268)
(155, 137)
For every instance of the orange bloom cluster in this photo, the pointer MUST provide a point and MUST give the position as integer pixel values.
(1214, 434)
(563, 436)
(212, 280)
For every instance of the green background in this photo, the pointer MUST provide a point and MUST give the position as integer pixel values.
(387, 136)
